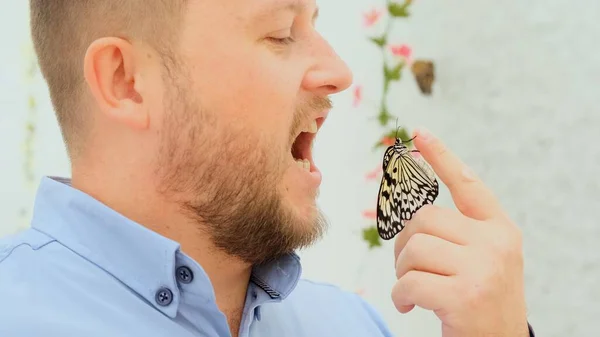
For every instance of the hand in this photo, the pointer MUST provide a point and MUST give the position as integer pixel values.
(464, 265)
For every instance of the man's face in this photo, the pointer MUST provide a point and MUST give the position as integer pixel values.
(247, 89)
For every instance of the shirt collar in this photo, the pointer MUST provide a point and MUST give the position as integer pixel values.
(142, 259)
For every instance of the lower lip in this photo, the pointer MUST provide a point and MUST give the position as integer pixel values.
(314, 175)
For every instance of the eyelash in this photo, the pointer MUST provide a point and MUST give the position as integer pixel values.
(284, 41)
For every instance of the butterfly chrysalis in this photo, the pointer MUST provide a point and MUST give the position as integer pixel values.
(423, 72)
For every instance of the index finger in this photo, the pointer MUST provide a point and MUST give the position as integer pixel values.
(471, 196)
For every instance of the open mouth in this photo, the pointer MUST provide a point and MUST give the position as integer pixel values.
(302, 147)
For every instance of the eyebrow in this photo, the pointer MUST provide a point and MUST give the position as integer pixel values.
(296, 6)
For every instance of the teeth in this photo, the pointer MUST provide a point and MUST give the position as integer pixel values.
(303, 163)
(312, 128)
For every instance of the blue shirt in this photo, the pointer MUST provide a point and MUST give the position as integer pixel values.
(82, 269)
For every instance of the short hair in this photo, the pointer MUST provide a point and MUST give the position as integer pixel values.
(62, 30)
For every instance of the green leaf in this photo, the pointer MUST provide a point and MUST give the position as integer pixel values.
(383, 119)
(380, 41)
(378, 145)
(384, 115)
(394, 74)
(371, 236)
(401, 133)
(397, 10)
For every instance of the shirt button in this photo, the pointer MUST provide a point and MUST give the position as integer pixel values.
(184, 274)
(164, 297)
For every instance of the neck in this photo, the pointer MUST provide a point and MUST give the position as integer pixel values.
(229, 276)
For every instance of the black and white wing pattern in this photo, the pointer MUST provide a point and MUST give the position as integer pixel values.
(407, 184)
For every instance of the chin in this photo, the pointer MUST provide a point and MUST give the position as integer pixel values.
(305, 212)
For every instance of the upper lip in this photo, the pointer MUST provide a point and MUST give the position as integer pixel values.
(320, 118)
(323, 114)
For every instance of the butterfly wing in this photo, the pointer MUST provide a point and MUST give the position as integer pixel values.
(407, 184)
(418, 186)
(388, 216)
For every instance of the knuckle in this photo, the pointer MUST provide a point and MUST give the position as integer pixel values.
(404, 289)
(468, 202)
(424, 215)
(409, 281)
(469, 176)
(507, 245)
(440, 149)
(425, 211)
(398, 247)
(408, 255)
(413, 246)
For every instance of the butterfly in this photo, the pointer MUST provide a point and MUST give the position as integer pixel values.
(407, 184)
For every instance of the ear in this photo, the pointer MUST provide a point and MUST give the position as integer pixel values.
(112, 72)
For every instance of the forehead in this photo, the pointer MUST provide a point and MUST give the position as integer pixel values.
(247, 10)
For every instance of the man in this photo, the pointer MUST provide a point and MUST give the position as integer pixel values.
(188, 124)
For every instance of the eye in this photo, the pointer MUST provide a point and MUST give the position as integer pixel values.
(281, 37)
(282, 41)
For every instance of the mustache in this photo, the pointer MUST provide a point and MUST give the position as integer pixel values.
(306, 110)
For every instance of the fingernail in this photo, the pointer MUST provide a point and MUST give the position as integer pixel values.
(424, 134)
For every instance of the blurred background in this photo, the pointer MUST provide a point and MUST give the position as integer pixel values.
(515, 96)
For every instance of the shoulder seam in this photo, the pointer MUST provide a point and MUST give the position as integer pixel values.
(5, 254)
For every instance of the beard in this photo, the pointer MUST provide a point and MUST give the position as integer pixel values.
(228, 179)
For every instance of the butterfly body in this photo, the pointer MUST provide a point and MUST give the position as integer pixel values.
(407, 184)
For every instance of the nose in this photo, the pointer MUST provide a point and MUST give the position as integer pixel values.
(329, 73)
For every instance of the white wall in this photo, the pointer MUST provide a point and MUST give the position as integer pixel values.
(515, 97)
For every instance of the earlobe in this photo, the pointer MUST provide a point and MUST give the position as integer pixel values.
(111, 72)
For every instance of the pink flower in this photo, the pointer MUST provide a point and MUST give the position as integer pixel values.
(372, 175)
(371, 17)
(402, 50)
(370, 214)
(357, 95)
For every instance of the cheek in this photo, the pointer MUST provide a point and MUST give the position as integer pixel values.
(155, 104)
(254, 89)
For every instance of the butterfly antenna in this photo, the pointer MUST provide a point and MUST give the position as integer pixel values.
(410, 140)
